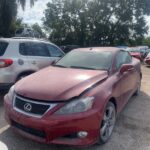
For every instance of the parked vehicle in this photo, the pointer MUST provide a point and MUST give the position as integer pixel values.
(68, 48)
(20, 57)
(122, 46)
(136, 55)
(147, 52)
(147, 59)
(143, 50)
(26, 32)
(134, 52)
(75, 101)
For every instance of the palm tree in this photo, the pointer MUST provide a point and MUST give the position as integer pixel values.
(8, 13)
(23, 3)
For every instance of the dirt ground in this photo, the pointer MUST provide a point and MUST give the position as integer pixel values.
(132, 131)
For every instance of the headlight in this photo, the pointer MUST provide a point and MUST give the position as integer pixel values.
(11, 93)
(76, 106)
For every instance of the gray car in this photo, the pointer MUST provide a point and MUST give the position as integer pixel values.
(20, 57)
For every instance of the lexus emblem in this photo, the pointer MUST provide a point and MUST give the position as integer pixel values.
(27, 107)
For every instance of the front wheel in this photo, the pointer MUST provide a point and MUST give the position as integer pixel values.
(108, 123)
(22, 76)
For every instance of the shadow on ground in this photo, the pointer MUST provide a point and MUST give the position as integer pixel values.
(2, 94)
(147, 66)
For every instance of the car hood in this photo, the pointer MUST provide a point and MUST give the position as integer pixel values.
(58, 84)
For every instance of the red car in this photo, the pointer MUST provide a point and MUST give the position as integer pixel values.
(135, 52)
(136, 55)
(147, 59)
(75, 101)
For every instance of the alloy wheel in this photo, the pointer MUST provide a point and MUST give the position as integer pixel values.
(108, 123)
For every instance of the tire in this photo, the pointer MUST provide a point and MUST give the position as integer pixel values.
(22, 76)
(137, 92)
(108, 123)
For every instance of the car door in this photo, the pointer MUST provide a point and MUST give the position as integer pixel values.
(127, 79)
(37, 54)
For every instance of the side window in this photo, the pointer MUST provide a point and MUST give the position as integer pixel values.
(3, 47)
(54, 51)
(122, 58)
(34, 49)
(128, 58)
(119, 60)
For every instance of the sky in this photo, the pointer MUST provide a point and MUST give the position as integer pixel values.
(35, 14)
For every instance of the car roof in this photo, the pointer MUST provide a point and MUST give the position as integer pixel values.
(111, 49)
(24, 39)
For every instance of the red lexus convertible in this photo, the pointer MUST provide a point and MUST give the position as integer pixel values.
(75, 101)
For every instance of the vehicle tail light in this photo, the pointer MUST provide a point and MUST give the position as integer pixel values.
(5, 62)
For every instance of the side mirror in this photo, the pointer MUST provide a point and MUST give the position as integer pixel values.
(126, 67)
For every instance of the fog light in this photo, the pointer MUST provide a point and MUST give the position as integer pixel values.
(82, 134)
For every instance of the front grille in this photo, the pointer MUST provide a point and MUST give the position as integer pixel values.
(29, 130)
(30, 107)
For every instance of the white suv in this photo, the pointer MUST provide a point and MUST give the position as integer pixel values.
(20, 57)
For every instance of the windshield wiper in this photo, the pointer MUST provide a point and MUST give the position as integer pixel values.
(79, 67)
(59, 66)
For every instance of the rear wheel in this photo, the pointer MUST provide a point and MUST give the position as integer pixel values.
(108, 123)
(22, 76)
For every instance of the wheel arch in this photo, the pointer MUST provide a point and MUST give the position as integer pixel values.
(27, 72)
(113, 100)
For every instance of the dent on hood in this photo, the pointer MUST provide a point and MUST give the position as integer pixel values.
(61, 87)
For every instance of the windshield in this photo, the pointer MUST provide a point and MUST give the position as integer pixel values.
(86, 60)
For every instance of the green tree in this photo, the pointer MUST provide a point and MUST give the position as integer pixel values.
(38, 30)
(96, 22)
(65, 21)
(17, 23)
(8, 13)
(23, 3)
(146, 41)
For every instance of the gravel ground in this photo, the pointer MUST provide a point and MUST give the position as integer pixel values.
(132, 131)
